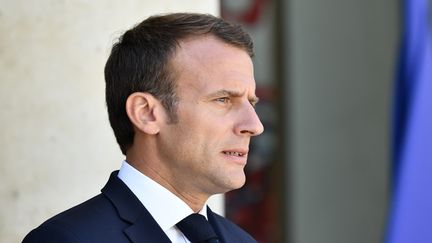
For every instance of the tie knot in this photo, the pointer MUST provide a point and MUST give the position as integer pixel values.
(197, 229)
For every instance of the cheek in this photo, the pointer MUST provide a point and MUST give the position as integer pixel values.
(204, 127)
(201, 124)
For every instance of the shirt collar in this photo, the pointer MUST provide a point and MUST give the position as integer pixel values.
(165, 207)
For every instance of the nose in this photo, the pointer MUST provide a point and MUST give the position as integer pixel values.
(249, 123)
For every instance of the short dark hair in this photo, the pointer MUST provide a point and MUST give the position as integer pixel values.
(140, 62)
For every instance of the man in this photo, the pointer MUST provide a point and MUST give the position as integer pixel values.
(180, 93)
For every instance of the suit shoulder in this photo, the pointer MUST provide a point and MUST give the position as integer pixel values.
(52, 232)
(86, 213)
(78, 224)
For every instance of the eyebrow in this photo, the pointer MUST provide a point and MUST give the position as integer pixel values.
(233, 93)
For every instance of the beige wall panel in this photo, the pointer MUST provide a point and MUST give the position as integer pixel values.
(342, 57)
(57, 148)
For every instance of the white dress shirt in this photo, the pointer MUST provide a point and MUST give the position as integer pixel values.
(165, 207)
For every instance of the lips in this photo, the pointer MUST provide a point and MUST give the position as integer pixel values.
(237, 153)
(234, 153)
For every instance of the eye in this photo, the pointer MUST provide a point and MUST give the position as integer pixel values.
(254, 102)
(223, 99)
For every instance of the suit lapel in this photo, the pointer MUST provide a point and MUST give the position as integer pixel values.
(219, 228)
(143, 227)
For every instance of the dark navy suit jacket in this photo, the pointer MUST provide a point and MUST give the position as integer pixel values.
(116, 215)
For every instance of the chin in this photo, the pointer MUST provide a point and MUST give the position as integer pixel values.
(226, 187)
(228, 182)
(238, 183)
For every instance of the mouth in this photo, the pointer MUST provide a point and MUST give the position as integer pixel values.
(235, 153)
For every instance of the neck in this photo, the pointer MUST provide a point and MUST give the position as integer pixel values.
(160, 173)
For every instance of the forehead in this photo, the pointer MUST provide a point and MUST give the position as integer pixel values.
(207, 62)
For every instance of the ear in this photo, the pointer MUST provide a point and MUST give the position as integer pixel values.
(141, 109)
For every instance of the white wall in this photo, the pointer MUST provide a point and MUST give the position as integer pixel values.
(57, 148)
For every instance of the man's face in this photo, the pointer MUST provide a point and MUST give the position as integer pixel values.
(207, 148)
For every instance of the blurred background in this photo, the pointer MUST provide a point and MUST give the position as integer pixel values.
(324, 69)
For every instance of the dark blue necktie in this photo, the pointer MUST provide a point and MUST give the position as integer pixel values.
(197, 229)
